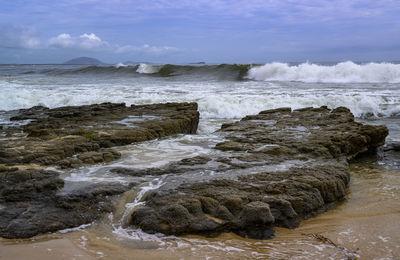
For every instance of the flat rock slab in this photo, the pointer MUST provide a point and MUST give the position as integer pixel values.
(54, 136)
(273, 169)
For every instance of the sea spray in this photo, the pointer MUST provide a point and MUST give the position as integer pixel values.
(147, 69)
(344, 72)
(216, 100)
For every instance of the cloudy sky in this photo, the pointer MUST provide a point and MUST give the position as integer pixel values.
(179, 31)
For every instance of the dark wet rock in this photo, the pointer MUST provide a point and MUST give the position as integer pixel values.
(35, 201)
(276, 168)
(388, 156)
(54, 136)
(392, 146)
(31, 202)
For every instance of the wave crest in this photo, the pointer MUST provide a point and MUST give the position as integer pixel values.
(147, 69)
(344, 72)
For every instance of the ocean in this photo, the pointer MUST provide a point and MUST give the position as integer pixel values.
(224, 93)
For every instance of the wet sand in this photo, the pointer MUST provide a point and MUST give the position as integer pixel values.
(62, 249)
(364, 226)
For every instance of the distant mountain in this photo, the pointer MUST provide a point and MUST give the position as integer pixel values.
(84, 61)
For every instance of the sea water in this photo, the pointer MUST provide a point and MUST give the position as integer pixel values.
(363, 225)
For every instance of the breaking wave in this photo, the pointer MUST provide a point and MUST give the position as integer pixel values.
(147, 69)
(221, 72)
(344, 72)
(218, 89)
(223, 102)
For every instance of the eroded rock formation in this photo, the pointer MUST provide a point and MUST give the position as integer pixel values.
(273, 169)
(35, 201)
(276, 168)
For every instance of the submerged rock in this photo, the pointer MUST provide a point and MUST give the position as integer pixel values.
(54, 136)
(273, 169)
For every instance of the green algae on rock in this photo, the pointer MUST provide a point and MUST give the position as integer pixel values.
(54, 136)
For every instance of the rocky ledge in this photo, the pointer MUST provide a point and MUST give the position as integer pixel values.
(72, 136)
(35, 201)
(276, 168)
(273, 169)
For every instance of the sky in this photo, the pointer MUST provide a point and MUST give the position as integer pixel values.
(213, 31)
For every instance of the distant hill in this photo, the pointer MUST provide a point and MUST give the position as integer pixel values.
(84, 61)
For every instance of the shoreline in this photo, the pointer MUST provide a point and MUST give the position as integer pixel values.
(90, 239)
(347, 224)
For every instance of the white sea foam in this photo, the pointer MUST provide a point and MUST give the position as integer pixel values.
(147, 69)
(152, 153)
(137, 234)
(121, 65)
(217, 105)
(94, 174)
(361, 104)
(217, 100)
(68, 230)
(130, 207)
(344, 72)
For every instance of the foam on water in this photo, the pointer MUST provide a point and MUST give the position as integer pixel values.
(137, 234)
(361, 104)
(130, 207)
(139, 156)
(223, 100)
(119, 65)
(152, 153)
(94, 174)
(147, 69)
(344, 72)
(67, 230)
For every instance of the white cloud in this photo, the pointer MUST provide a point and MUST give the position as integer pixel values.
(84, 41)
(18, 37)
(27, 38)
(145, 48)
(92, 42)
